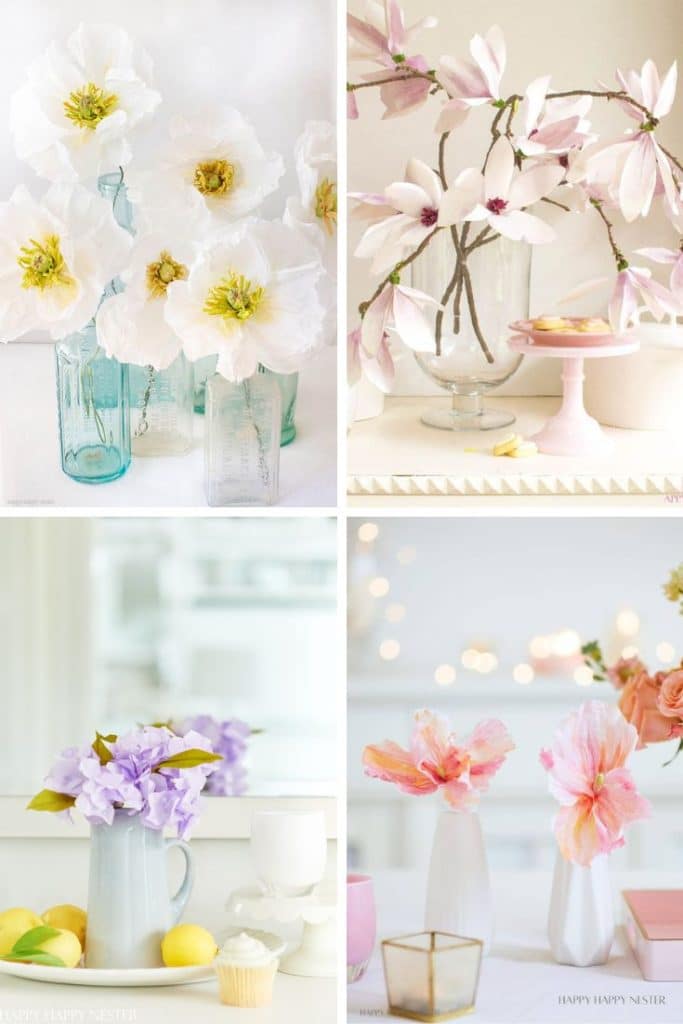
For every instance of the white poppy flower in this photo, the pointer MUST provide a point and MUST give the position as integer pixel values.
(314, 210)
(251, 297)
(217, 164)
(131, 326)
(71, 120)
(56, 257)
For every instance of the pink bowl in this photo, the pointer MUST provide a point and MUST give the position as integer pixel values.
(361, 924)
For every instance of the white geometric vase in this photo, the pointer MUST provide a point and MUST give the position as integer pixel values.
(581, 917)
(458, 890)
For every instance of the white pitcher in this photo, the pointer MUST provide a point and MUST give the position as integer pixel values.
(581, 917)
(458, 890)
(129, 906)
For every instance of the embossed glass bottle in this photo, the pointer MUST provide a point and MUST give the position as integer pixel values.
(288, 384)
(242, 441)
(161, 408)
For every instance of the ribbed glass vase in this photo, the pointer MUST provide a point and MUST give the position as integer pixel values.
(288, 384)
(161, 408)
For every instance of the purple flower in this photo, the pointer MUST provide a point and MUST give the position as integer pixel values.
(229, 738)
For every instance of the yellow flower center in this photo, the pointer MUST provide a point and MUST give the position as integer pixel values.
(160, 274)
(87, 106)
(326, 204)
(43, 264)
(234, 298)
(214, 177)
(599, 781)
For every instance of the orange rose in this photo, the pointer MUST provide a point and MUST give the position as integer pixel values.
(639, 705)
(670, 700)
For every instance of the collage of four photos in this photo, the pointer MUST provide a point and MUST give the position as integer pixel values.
(341, 475)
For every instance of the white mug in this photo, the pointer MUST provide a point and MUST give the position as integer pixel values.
(289, 850)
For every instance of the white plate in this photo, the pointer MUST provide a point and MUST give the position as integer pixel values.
(141, 977)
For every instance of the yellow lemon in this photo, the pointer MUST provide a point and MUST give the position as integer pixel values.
(188, 945)
(67, 916)
(65, 945)
(13, 924)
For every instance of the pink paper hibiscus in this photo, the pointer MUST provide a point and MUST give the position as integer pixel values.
(499, 196)
(587, 774)
(471, 83)
(403, 215)
(379, 369)
(553, 126)
(382, 38)
(399, 307)
(436, 761)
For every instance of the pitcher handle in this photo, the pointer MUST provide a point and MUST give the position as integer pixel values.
(182, 896)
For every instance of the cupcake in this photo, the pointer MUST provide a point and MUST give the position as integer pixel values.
(246, 969)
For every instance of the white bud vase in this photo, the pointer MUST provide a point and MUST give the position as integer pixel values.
(458, 889)
(581, 918)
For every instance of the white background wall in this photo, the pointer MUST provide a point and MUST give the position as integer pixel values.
(499, 583)
(578, 43)
(273, 62)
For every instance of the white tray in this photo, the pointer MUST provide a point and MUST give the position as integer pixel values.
(145, 977)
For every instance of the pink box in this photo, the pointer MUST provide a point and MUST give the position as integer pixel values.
(654, 926)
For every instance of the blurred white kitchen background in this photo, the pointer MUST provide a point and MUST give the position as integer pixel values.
(481, 618)
(105, 623)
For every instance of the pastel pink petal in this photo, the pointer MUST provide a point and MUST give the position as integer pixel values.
(420, 174)
(351, 106)
(411, 325)
(391, 763)
(578, 833)
(623, 303)
(489, 53)
(395, 27)
(462, 79)
(557, 133)
(667, 179)
(649, 82)
(407, 198)
(547, 760)
(458, 795)
(353, 365)
(677, 279)
(462, 197)
(378, 235)
(380, 371)
(452, 115)
(375, 322)
(489, 741)
(499, 170)
(363, 33)
(530, 186)
(520, 225)
(402, 97)
(534, 100)
(430, 739)
(413, 235)
(659, 255)
(638, 180)
(667, 92)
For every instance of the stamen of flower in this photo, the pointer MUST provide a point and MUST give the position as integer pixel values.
(599, 781)
(326, 204)
(234, 298)
(429, 216)
(496, 205)
(214, 177)
(160, 274)
(43, 264)
(87, 106)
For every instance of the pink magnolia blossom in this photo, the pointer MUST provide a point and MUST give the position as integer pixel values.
(646, 87)
(587, 774)
(403, 216)
(399, 307)
(379, 369)
(553, 126)
(499, 196)
(435, 761)
(471, 83)
(382, 38)
(634, 287)
(674, 258)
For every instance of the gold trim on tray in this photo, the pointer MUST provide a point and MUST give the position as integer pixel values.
(408, 1015)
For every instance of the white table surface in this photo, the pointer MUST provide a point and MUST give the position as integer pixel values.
(29, 451)
(520, 983)
(395, 459)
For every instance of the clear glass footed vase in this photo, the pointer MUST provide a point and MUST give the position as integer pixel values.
(471, 355)
(288, 384)
(92, 402)
(161, 408)
(242, 441)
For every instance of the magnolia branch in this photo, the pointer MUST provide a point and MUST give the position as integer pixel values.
(621, 261)
(406, 74)
(364, 306)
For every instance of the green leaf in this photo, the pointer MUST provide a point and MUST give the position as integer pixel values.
(188, 759)
(36, 956)
(50, 800)
(32, 939)
(99, 746)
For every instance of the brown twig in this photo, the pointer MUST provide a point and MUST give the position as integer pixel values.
(405, 75)
(473, 314)
(554, 202)
(621, 261)
(364, 306)
(605, 94)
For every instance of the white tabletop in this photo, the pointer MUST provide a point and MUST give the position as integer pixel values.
(29, 451)
(520, 983)
(395, 456)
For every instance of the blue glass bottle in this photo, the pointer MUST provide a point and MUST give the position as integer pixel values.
(288, 384)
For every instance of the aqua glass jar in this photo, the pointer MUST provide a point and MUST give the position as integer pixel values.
(112, 188)
(161, 408)
(203, 369)
(242, 441)
(288, 383)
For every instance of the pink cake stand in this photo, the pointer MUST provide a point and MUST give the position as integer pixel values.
(571, 431)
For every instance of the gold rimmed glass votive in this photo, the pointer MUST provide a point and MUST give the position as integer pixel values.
(431, 976)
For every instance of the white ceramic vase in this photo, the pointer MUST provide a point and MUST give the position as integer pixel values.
(458, 890)
(129, 906)
(581, 918)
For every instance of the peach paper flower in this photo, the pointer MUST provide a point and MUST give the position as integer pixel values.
(436, 761)
(639, 704)
(587, 773)
(670, 699)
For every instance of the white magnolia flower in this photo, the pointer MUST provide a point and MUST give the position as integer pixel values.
(217, 164)
(56, 257)
(72, 118)
(314, 210)
(131, 326)
(251, 297)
